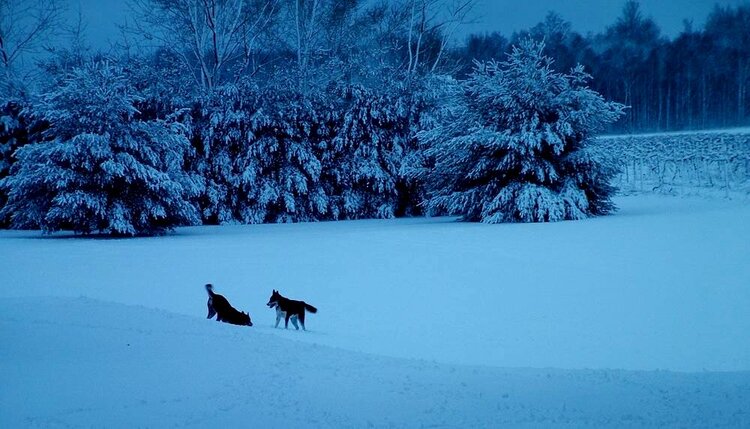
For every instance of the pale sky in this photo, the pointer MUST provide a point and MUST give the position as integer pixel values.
(505, 16)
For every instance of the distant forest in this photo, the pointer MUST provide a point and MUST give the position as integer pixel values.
(697, 80)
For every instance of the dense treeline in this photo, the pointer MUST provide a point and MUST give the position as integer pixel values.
(229, 111)
(222, 111)
(696, 80)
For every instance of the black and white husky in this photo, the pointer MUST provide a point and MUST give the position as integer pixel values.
(289, 309)
(219, 306)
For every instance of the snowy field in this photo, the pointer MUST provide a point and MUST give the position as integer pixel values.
(632, 320)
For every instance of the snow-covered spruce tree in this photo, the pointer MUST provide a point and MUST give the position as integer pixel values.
(224, 132)
(283, 171)
(361, 162)
(440, 113)
(104, 170)
(13, 134)
(513, 148)
(10, 127)
(261, 163)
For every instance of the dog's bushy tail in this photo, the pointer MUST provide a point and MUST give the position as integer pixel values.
(210, 289)
(310, 308)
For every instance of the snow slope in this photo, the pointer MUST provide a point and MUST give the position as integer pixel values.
(422, 323)
(663, 284)
(77, 362)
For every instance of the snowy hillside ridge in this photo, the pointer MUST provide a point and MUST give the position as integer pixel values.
(79, 362)
(662, 284)
(421, 323)
(711, 162)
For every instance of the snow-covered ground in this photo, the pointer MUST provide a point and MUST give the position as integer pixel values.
(631, 320)
(77, 362)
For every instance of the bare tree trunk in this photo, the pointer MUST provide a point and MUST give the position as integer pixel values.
(422, 25)
(740, 90)
(411, 30)
(690, 97)
(669, 104)
(4, 53)
(208, 36)
(704, 101)
(305, 26)
(299, 33)
(458, 16)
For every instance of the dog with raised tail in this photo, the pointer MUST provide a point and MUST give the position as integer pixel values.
(289, 309)
(219, 306)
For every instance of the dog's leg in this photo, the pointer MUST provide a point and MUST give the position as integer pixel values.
(302, 320)
(286, 320)
(279, 313)
(211, 311)
(294, 322)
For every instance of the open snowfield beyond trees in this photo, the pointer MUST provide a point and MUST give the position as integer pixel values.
(636, 319)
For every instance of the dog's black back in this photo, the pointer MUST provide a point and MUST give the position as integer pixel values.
(224, 312)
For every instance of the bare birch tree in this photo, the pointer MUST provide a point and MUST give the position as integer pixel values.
(436, 19)
(24, 26)
(316, 31)
(214, 39)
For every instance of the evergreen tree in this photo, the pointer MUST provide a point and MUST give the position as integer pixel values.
(224, 136)
(361, 164)
(105, 169)
(13, 133)
(514, 144)
(285, 168)
(261, 156)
